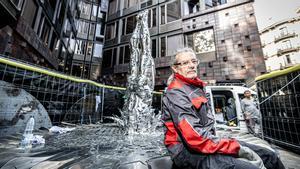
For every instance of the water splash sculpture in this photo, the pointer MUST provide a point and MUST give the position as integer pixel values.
(26, 142)
(137, 113)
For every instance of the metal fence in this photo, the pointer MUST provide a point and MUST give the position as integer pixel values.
(65, 98)
(279, 96)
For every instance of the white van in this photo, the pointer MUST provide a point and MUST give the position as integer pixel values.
(219, 96)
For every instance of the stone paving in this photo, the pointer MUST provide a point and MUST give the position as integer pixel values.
(103, 147)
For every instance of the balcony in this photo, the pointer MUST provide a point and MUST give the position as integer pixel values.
(10, 11)
(287, 50)
(283, 36)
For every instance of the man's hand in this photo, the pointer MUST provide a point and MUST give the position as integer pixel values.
(249, 155)
(247, 115)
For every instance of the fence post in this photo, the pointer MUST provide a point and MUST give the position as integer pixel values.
(83, 105)
(102, 104)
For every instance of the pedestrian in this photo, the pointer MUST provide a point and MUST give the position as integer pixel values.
(230, 112)
(250, 112)
(190, 133)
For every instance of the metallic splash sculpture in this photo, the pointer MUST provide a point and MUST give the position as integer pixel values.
(137, 112)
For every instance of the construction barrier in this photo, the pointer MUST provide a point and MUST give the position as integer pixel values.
(279, 96)
(65, 98)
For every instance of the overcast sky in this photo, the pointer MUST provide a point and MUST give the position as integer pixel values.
(268, 12)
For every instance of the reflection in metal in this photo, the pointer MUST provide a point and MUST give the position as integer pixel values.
(137, 111)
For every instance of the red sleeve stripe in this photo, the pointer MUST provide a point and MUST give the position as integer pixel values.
(171, 134)
(197, 102)
(205, 145)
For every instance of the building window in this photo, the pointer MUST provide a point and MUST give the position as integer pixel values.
(288, 59)
(163, 46)
(80, 47)
(193, 6)
(203, 43)
(45, 32)
(85, 9)
(89, 48)
(40, 24)
(283, 30)
(153, 17)
(98, 51)
(30, 11)
(123, 26)
(248, 48)
(82, 27)
(61, 12)
(121, 55)
(72, 42)
(110, 31)
(107, 58)
(115, 54)
(94, 12)
(162, 15)
(98, 31)
(131, 22)
(127, 54)
(53, 41)
(145, 3)
(92, 30)
(286, 44)
(173, 11)
(173, 43)
(153, 48)
(130, 3)
(149, 18)
(112, 7)
(117, 29)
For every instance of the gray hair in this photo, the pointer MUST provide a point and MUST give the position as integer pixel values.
(183, 50)
(178, 52)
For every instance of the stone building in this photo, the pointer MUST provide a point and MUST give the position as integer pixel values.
(48, 33)
(223, 33)
(281, 44)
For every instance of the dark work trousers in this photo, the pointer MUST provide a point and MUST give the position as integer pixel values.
(251, 123)
(189, 160)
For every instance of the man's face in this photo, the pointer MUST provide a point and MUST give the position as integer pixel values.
(247, 94)
(186, 65)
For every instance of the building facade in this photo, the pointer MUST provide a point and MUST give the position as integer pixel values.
(90, 38)
(47, 33)
(281, 44)
(223, 33)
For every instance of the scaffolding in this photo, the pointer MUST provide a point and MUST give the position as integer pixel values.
(279, 97)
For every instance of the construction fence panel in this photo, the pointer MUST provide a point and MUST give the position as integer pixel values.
(280, 109)
(26, 90)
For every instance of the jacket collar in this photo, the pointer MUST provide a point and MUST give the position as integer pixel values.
(195, 82)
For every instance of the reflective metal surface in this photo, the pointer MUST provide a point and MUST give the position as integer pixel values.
(137, 112)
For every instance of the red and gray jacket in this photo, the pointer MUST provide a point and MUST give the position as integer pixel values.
(189, 121)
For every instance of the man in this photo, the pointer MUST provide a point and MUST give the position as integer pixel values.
(189, 124)
(230, 111)
(250, 111)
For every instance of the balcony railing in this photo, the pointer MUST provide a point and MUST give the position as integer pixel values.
(287, 50)
(283, 36)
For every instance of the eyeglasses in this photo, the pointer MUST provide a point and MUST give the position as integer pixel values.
(186, 63)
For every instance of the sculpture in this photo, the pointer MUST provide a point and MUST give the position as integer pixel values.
(137, 113)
